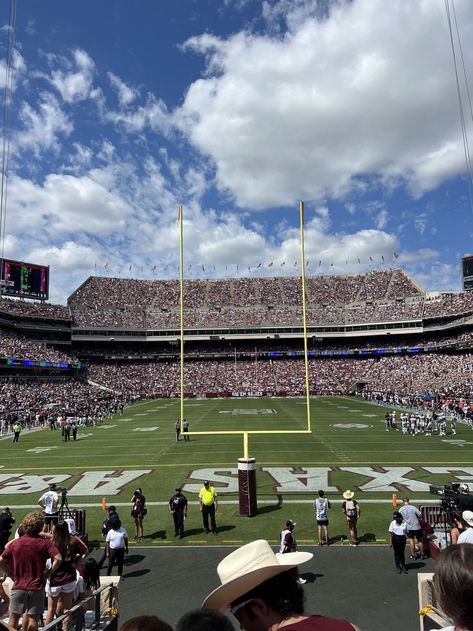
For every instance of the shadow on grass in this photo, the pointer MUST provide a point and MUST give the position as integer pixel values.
(269, 508)
(368, 537)
(158, 534)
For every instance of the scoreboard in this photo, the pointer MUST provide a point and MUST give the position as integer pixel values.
(467, 272)
(24, 280)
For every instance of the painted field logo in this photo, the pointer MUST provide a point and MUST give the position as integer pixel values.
(351, 426)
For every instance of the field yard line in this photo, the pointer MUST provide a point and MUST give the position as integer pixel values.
(230, 502)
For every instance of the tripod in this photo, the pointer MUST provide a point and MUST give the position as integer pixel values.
(64, 510)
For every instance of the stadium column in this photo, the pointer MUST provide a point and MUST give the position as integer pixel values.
(247, 486)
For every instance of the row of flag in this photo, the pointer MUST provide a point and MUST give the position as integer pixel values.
(155, 269)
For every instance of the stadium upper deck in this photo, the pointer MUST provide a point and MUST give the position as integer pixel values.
(386, 296)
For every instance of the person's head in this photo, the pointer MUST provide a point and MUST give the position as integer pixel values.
(290, 524)
(204, 620)
(464, 488)
(112, 509)
(454, 584)
(467, 517)
(178, 491)
(7, 510)
(52, 486)
(206, 484)
(321, 493)
(258, 585)
(398, 518)
(32, 524)
(145, 623)
(91, 574)
(405, 500)
(61, 536)
(348, 495)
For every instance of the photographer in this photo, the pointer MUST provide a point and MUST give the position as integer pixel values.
(6, 522)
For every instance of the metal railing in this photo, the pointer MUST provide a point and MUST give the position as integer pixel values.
(98, 611)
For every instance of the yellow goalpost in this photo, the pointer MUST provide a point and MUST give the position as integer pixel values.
(246, 465)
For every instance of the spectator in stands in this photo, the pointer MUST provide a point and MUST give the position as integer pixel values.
(454, 585)
(62, 583)
(466, 536)
(261, 591)
(25, 560)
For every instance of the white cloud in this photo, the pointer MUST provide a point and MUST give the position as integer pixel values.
(42, 128)
(125, 94)
(352, 96)
(68, 257)
(74, 83)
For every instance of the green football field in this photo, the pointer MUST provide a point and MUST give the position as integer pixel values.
(348, 448)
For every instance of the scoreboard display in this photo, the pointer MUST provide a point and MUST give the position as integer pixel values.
(467, 272)
(24, 280)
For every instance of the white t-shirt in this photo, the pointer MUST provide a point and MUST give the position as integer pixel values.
(466, 536)
(116, 538)
(398, 529)
(49, 501)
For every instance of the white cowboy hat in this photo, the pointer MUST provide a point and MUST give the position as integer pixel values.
(467, 516)
(246, 568)
(348, 495)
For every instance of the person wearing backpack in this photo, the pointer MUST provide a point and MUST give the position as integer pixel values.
(351, 510)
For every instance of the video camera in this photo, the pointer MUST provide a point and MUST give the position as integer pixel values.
(449, 494)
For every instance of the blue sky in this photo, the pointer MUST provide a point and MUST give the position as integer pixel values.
(237, 110)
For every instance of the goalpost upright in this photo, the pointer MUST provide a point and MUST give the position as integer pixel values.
(246, 465)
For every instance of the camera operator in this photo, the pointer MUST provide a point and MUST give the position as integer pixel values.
(6, 522)
(49, 503)
(467, 535)
(463, 499)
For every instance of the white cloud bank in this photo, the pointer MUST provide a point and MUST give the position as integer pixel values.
(368, 92)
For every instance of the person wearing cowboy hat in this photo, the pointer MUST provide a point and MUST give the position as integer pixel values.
(351, 510)
(260, 589)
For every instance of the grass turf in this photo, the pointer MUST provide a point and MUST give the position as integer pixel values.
(143, 439)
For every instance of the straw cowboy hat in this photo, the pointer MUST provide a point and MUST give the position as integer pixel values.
(246, 568)
(348, 495)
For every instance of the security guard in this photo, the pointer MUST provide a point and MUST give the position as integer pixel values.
(208, 506)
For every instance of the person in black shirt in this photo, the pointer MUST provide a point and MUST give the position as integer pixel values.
(178, 510)
(6, 522)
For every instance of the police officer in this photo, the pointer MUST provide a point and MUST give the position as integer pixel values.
(178, 510)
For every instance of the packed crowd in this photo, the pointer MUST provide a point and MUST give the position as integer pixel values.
(34, 309)
(34, 401)
(20, 347)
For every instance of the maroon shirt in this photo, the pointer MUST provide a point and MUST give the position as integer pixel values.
(66, 572)
(26, 558)
(319, 623)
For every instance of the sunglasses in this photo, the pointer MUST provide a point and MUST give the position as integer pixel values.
(237, 609)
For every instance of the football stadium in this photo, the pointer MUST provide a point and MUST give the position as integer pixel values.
(109, 362)
(221, 406)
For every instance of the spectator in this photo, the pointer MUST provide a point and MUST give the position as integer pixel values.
(261, 591)
(454, 585)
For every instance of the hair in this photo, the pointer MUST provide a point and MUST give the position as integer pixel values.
(454, 583)
(91, 574)
(405, 499)
(321, 493)
(145, 623)
(204, 620)
(62, 539)
(32, 524)
(282, 593)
